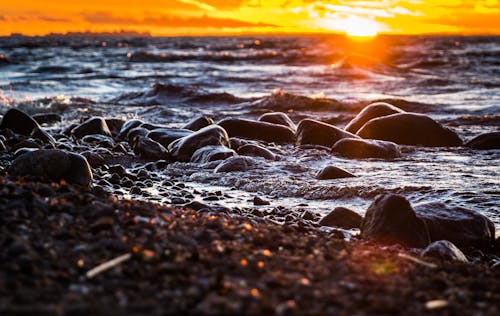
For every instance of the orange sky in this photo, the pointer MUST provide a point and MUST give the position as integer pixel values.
(198, 17)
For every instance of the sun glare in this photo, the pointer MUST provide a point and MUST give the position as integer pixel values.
(359, 28)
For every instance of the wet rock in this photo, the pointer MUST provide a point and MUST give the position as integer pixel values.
(212, 153)
(238, 142)
(409, 129)
(53, 164)
(195, 205)
(94, 159)
(40, 134)
(115, 125)
(27, 143)
(127, 126)
(390, 219)
(183, 148)
(332, 172)
(198, 123)
(234, 164)
(444, 250)
(257, 130)
(308, 216)
(362, 148)
(318, 133)
(342, 217)
(485, 141)
(149, 149)
(279, 118)
(101, 140)
(47, 118)
(165, 136)
(2, 147)
(4, 60)
(259, 201)
(256, 151)
(461, 226)
(18, 122)
(94, 125)
(135, 133)
(371, 111)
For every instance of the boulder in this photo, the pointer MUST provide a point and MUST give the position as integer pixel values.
(485, 141)
(257, 130)
(165, 136)
(390, 219)
(409, 129)
(53, 164)
(212, 153)
(233, 164)
(127, 126)
(18, 122)
(318, 133)
(332, 172)
(444, 250)
(371, 111)
(198, 123)
(361, 148)
(94, 125)
(342, 217)
(256, 151)
(183, 148)
(461, 226)
(149, 149)
(279, 118)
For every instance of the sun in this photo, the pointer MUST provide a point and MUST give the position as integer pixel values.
(359, 27)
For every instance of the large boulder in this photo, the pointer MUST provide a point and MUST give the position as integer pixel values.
(183, 148)
(371, 111)
(167, 135)
(485, 141)
(461, 226)
(256, 151)
(53, 164)
(318, 133)
(332, 172)
(212, 153)
(279, 118)
(342, 217)
(409, 129)
(257, 130)
(444, 250)
(198, 123)
(18, 122)
(390, 219)
(149, 149)
(94, 125)
(362, 148)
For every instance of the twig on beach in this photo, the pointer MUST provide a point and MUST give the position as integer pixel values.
(108, 265)
(417, 260)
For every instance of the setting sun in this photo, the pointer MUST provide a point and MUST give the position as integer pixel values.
(358, 27)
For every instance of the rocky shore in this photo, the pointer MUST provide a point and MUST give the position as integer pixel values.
(82, 233)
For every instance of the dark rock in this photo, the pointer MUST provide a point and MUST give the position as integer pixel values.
(279, 118)
(115, 125)
(40, 134)
(4, 59)
(212, 153)
(94, 159)
(198, 123)
(127, 126)
(362, 148)
(390, 219)
(371, 111)
(27, 143)
(94, 125)
(53, 165)
(183, 148)
(308, 216)
(136, 133)
(318, 133)
(332, 172)
(259, 201)
(195, 205)
(256, 151)
(238, 142)
(165, 136)
(149, 149)
(47, 118)
(444, 250)
(461, 226)
(409, 129)
(485, 141)
(234, 164)
(18, 122)
(257, 130)
(2, 146)
(103, 141)
(342, 217)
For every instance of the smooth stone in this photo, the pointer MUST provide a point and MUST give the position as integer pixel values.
(410, 129)
(198, 123)
(371, 111)
(212, 153)
(234, 164)
(362, 148)
(444, 250)
(279, 118)
(53, 164)
(40, 134)
(149, 149)
(258, 201)
(115, 125)
(314, 132)
(485, 141)
(136, 133)
(94, 125)
(18, 122)
(165, 136)
(257, 130)
(390, 219)
(332, 172)
(94, 159)
(47, 118)
(256, 151)
(342, 217)
(127, 126)
(183, 148)
(238, 142)
(461, 226)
